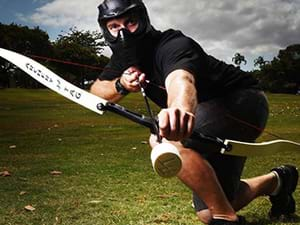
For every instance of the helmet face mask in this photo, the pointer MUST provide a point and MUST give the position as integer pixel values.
(132, 16)
(113, 9)
(131, 46)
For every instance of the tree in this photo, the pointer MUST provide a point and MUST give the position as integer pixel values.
(6, 69)
(84, 47)
(260, 61)
(25, 41)
(282, 74)
(289, 60)
(237, 59)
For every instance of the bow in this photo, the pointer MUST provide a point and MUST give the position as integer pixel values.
(99, 105)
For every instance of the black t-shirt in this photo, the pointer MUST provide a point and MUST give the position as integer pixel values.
(172, 50)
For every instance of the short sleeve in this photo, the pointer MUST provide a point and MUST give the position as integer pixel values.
(180, 52)
(112, 70)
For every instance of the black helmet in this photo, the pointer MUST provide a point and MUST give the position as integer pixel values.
(109, 9)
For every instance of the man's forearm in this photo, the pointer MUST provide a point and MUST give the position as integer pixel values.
(181, 91)
(106, 89)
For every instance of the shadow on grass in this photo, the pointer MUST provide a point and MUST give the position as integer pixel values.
(295, 219)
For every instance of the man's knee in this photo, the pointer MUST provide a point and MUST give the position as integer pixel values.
(204, 216)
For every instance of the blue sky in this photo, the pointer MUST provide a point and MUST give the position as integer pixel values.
(11, 8)
(19, 12)
(251, 27)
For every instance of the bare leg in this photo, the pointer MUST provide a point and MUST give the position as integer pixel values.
(199, 176)
(254, 187)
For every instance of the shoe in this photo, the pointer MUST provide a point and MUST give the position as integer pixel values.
(283, 204)
(241, 221)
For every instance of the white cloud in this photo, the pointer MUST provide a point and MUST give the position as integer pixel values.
(61, 13)
(251, 27)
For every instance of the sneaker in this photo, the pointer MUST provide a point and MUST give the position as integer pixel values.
(283, 204)
(241, 221)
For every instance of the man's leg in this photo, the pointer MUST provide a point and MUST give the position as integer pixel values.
(199, 176)
(228, 170)
(279, 184)
(252, 188)
(212, 119)
(279, 187)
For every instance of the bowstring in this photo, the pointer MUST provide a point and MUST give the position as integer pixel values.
(144, 94)
(150, 113)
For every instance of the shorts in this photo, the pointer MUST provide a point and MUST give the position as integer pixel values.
(229, 117)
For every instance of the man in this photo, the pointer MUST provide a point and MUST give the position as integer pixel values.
(199, 93)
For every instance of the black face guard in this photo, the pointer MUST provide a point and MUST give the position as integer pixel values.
(133, 47)
(127, 39)
(143, 28)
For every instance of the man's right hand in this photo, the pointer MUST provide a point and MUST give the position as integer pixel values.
(175, 124)
(131, 78)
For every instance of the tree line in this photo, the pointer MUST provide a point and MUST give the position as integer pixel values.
(281, 75)
(76, 46)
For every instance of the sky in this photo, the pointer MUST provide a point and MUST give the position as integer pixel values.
(222, 27)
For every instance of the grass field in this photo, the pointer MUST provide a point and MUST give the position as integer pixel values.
(106, 175)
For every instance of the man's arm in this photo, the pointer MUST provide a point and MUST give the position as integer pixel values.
(177, 121)
(129, 80)
(106, 89)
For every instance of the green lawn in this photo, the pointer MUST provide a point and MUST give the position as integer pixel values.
(106, 174)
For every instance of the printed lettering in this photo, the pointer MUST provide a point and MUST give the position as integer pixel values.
(58, 84)
(78, 95)
(39, 73)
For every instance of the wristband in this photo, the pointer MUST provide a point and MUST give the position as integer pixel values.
(120, 88)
